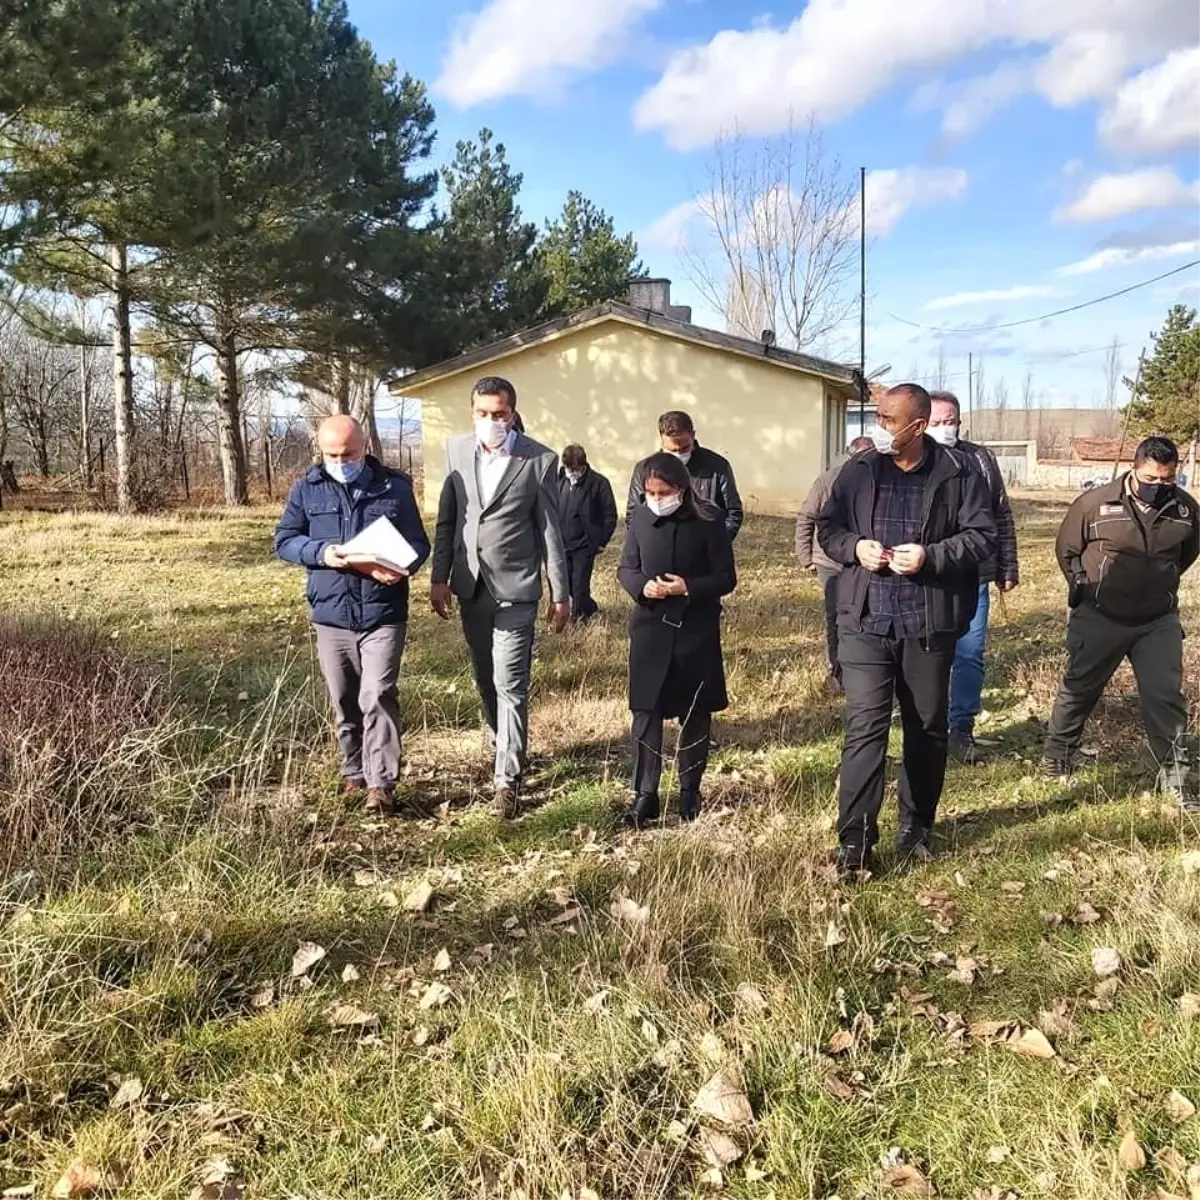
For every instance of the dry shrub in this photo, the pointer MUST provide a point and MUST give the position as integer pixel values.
(79, 729)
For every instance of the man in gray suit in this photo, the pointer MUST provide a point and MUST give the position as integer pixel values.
(497, 527)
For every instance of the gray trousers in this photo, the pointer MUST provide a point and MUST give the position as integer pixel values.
(361, 670)
(500, 639)
(1096, 645)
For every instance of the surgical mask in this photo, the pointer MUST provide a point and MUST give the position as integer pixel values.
(885, 441)
(684, 456)
(944, 435)
(574, 477)
(491, 433)
(1157, 495)
(345, 472)
(664, 508)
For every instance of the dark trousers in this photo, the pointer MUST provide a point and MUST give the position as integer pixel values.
(874, 671)
(579, 572)
(828, 579)
(692, 750)
(1095, 646)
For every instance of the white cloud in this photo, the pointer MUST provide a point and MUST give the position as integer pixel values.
(1159, 110)
(1112, 196)
(980, 97)
(1024, 291)
(1121, 256)
(838, 54)
(669, 231)
(891, 193)
(534, 47)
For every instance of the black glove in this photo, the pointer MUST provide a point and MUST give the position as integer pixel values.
(1078, 591)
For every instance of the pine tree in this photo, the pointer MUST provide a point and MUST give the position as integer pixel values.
(1166, 396)
(583, 260)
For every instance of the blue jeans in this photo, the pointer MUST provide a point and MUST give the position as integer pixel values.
(966, 677)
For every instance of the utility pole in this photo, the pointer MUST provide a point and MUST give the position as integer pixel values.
(862, 299)
(970, 386)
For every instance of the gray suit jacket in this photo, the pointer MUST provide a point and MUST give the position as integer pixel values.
(507, 542)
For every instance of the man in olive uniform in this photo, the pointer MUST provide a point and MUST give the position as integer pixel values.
(1123, 548)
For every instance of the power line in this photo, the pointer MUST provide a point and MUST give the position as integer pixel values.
(1046, 316)
(932, 378)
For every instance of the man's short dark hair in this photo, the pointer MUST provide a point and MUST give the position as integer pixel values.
(920, 397)
(496, 385)
(946, 398)
(574, 457)
(675, 423)
(1160, 449)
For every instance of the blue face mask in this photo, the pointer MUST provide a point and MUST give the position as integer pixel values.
(345, 472)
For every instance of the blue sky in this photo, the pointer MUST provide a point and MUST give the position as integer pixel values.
(1025, 156)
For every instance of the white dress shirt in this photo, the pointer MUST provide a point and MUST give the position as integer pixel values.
(489, 466)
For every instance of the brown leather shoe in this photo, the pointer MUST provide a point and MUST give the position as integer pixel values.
(506, 804)
(380, 800)
(353, 786)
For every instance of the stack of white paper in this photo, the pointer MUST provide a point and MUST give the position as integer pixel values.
(382, 544)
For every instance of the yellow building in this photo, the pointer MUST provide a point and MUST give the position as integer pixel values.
(602, 376)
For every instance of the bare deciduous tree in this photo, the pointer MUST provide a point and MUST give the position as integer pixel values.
(1027, 403)
(776, 246)
(940, 373)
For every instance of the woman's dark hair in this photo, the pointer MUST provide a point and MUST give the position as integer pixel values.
(674, 474)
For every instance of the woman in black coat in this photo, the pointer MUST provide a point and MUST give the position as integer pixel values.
(677, 564)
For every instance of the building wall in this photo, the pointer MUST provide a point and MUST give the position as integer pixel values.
(605, 385)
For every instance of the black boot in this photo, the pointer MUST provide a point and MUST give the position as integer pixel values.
(689, 804)
(645, 809)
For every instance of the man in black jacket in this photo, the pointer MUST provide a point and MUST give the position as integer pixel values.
(1123, 548)
(910, 522)
(712, 476)
(589, 516)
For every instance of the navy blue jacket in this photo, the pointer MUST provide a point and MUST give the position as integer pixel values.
(319, 513)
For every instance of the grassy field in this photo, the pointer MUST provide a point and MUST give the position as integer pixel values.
(217, 980)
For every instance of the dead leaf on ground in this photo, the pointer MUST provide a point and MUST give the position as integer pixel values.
(964, 970)
(1106, 961)
(1190, 862)
(1033, 1044)
(435, 995)
(998, 1154)
(307, 955)
(1130, 1154)
(724, 1098)
(1052, 920)
(750, 1000)
(906, 1180)
(1189, 1006)
(1056, 1020)
(418, 898)
(839, 1088)
(598, 1003)
(565, 917)
(755, 1174)
(713, 1048)
(1012, 887)
(1085, 914)
(713, 1178)
(834, 935)
(130, 1092)
(841, 1042)
(81, 1180)
(441, 964)
(629, 910)
(350, 973)
(264, 996)
(719, 1148)
(1180, 1108)
(350, 1016)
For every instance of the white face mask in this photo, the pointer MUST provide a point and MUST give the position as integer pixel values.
(491, 433)
(684, 456)
(885, 442)
(345, 472)
(574, 477)
(944, 435)
(665, 507)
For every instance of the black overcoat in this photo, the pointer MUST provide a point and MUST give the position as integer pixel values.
(675, 662)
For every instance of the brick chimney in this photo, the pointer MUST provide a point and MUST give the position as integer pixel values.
(654, 295)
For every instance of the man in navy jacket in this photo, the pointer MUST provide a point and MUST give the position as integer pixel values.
(360, 613)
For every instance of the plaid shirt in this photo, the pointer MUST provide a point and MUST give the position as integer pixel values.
(896, 603)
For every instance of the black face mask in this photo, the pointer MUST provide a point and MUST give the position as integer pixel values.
(1154, 494)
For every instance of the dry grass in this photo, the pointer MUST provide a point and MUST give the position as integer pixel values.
(569, 1051)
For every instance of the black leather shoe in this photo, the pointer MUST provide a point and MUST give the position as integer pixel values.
(689, 804)
(849, 860)
(645, 809)
(915, 845)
